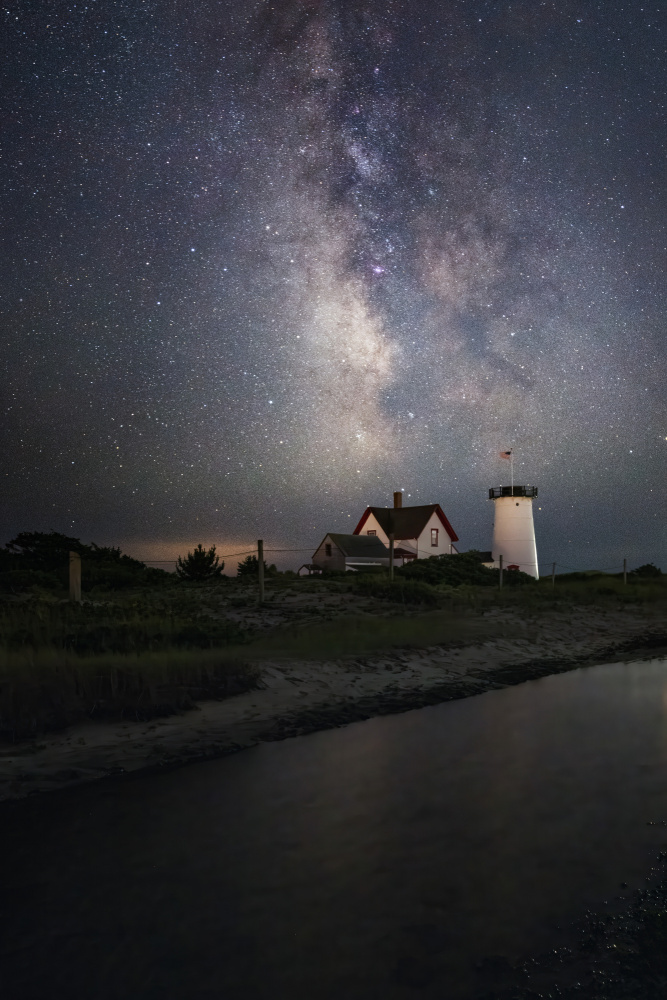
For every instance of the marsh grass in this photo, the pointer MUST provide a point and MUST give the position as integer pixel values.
(154, 652)
(45, 689)
(603, 588)
(134, 626)
(140, 657)
(575, 589)
(399, 590)
(356, 636)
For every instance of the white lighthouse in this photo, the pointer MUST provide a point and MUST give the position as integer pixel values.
(513, 528)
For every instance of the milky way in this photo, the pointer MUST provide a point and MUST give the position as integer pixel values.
(265, 264)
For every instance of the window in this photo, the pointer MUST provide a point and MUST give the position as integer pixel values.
(327, 549)
(371, 532)
(434, 536)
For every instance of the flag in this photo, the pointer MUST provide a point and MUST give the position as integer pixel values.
(505, 454)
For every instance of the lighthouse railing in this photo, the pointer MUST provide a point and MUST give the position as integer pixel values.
(512, 491)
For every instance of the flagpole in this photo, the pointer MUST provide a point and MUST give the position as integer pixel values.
(512, 469)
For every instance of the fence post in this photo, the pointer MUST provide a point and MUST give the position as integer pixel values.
(553, 574)
(391, 556)
(260, 568)
(500, 578)
(75, 577)
(625, 571)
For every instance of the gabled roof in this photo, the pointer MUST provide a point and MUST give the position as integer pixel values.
(359, 545)
(406, 522)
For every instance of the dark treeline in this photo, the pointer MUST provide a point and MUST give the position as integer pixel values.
(41, 559)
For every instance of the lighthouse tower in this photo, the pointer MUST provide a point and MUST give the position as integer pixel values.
(513, 529)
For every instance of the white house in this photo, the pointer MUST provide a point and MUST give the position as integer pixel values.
(419, 532)
(350, 552)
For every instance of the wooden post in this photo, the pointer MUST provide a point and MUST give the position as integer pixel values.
(553, 574)
(260, 568)
(391, 556)
(625, 571)
(500, 567)
(75, 577)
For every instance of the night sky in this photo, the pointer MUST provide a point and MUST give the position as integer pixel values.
(265, 263)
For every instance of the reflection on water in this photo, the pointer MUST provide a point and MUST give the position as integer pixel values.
(382, 860)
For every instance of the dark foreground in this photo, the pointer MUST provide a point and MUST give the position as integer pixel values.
(475, 849)
(620, 953)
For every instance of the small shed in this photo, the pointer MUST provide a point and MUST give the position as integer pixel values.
(350, 552)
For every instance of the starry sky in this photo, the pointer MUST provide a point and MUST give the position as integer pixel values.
(266, 262)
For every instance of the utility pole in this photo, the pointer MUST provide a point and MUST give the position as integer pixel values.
(391, 556)
(260, 568)
(500, 578)
(625, 571)
(75, 577)
(553, 574)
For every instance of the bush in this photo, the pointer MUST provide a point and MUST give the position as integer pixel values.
(647, 571)
(455, 570)
(250, 568)
(401, 591)
(41, 559)
(200, 565)
(16, 581)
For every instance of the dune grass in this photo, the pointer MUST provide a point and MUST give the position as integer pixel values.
(45, 689)
(455, 615)
(577, 589)
(155, 652)
(353, 636)
(135, 625)
(137, 657)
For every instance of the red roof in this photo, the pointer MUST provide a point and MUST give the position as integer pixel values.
(406, 522)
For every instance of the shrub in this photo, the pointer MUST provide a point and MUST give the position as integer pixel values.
(200, 565)
(16, 581)
(41, 559)
(250, 568)
(401, 591)
(455, 570)
(647, 571)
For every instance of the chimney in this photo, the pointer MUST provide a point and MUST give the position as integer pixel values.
(398, 500)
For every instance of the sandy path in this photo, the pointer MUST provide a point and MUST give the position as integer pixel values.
(303, 696)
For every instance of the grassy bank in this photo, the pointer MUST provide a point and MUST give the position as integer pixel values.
(151, 652)
(577, 590)
(47, 689)
(356, 636)
(136, 624)
(61, 662)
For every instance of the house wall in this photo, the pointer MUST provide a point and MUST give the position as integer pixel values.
(372, 524)
(424, 547)
(334, 562)
(423, 543)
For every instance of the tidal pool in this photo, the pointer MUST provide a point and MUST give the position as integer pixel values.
(383, 860)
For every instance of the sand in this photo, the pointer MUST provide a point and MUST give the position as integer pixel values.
(298, 696)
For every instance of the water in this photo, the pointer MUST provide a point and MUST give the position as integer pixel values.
(378, 861)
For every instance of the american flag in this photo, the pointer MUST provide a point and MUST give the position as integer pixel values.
(505, 454)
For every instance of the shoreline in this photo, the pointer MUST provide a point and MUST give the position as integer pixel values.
(297, 697)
